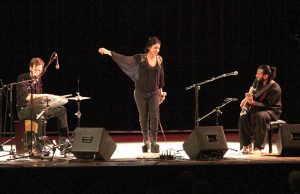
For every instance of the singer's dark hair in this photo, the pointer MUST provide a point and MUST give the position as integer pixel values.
(36, 61)
(270, 71)
(151, 41)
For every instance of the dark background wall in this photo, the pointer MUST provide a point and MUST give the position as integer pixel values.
(201, 39)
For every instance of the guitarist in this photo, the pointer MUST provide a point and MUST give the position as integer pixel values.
(265, 106)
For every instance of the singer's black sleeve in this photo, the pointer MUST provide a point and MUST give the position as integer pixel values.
(128, 64)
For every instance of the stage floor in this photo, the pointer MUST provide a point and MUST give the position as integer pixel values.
(129, 153)
(131, 171)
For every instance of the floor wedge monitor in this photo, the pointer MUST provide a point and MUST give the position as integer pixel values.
(206, 142)
(93, 143)
(288, 142)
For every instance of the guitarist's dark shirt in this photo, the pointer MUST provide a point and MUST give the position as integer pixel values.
(270, 100)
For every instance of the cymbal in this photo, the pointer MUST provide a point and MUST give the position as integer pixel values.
(50, 100)
(79, 98)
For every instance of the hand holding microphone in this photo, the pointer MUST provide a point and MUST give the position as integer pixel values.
(163, 97)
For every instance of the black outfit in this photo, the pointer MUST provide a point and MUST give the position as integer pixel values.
(266, 107)
(147, 94)
(25, 112)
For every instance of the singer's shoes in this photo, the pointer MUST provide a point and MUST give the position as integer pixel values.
(257, 151)
(154, 148)
(247, 149)
(145, 148)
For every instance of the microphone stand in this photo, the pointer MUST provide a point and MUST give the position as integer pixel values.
(197, 87)
(52, 58)
(10, 114)
(217, 111)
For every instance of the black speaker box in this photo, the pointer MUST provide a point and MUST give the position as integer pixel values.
(206, 142)
(288, 142)
(93, 143)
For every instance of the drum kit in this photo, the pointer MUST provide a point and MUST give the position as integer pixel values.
(44, 102)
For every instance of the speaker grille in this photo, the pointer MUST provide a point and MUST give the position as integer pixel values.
(206, 142)
(93, 143)
(288, 143)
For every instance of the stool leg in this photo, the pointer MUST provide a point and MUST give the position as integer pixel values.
(270, 139)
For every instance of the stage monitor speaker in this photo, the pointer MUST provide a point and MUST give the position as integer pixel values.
(206, 142)
(93, 143)
(288, 142)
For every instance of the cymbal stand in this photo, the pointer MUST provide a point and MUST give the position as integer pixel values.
(43, 115)
(78, 113)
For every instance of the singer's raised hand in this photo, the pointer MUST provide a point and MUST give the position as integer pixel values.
(104, 51)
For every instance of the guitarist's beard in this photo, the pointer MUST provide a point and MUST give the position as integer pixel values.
(259, 84)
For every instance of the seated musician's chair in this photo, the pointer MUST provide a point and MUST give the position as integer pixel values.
(22, 127)
(274, 126)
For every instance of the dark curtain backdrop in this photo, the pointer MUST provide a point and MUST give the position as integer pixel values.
(201, 39)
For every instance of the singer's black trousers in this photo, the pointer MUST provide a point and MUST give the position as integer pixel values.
(253, 128)
(59, 112)
(148, 105)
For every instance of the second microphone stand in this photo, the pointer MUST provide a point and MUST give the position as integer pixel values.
(217, 110)
(197, 88)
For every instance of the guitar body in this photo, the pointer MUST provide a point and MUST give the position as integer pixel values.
(253, 93)
(246, 107)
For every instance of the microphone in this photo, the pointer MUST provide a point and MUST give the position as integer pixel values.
(33, 81)
(230, 99)
(232, 73)
(57, 64)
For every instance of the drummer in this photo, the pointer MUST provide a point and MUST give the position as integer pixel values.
(36, 67)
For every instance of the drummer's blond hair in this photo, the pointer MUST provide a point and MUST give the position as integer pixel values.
(36, 61)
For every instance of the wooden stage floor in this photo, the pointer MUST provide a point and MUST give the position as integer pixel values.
(130, 171)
